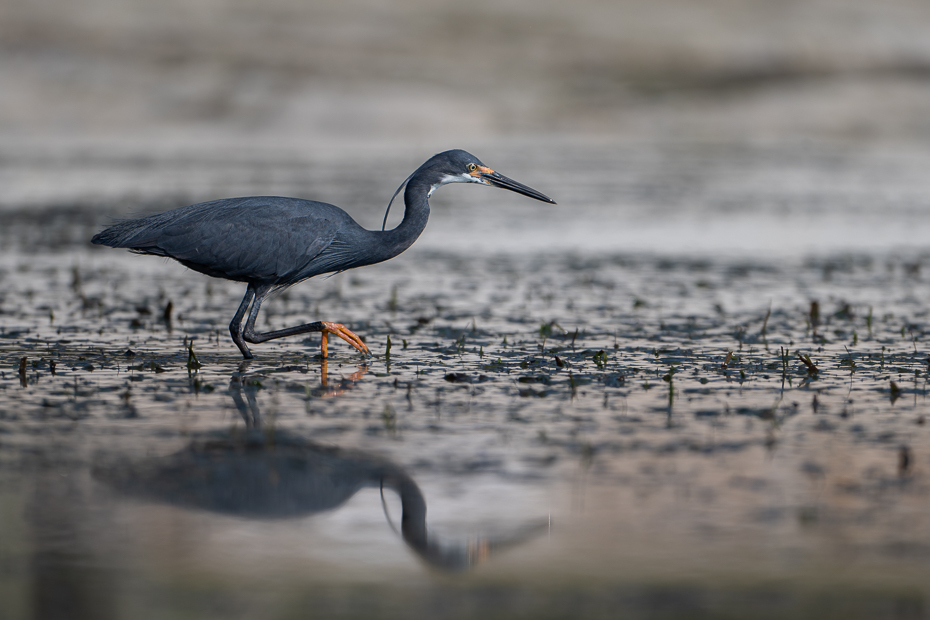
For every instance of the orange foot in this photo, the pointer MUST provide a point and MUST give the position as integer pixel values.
(345, 333)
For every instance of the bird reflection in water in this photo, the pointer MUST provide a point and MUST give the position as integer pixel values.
(243, 387)
(274, 474)
(328, 391)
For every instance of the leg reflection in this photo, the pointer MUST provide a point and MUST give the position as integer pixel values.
(345, 383)
(240, 385)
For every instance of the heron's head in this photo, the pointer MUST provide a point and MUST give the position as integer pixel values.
(458, 166)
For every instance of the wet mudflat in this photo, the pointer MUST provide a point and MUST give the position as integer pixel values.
(683, 438)
(548, 432)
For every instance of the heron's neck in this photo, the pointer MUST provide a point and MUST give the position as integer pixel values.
(416, 214)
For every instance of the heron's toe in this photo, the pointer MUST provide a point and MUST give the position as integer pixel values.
(348, 335)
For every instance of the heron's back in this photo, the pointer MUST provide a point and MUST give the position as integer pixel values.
(263, 239)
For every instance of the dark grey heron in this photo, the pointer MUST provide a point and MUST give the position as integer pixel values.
(271, 243)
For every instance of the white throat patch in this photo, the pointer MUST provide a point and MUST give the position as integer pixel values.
(452, 178)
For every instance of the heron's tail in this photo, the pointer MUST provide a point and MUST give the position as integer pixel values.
(114, 236)
(140, 233)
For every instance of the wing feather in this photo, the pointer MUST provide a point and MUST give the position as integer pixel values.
(267, 240)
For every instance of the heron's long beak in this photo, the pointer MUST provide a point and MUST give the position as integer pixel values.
(496, 179)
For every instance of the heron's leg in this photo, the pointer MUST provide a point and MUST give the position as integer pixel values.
(235, 327)
(250, 335)
(249, 328)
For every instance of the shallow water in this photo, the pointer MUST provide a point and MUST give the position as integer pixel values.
(591, 427)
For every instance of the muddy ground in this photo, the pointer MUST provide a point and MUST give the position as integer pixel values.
(678, 433)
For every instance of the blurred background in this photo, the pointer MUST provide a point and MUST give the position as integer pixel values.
(640, 116)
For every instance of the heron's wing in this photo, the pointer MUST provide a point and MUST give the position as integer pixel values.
(258, 242)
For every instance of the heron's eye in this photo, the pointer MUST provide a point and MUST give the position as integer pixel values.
(472, 167)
